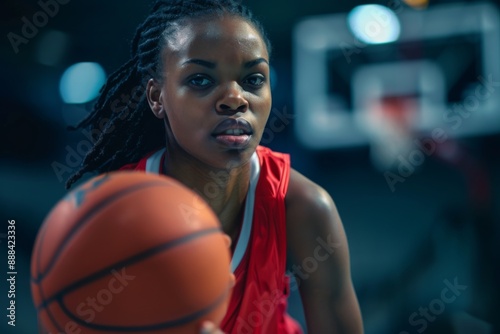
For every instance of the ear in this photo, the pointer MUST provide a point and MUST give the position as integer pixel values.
(154, 95)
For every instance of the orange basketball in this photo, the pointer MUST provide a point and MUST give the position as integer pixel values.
(130, 252)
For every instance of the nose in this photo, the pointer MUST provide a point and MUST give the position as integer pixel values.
(232, 100)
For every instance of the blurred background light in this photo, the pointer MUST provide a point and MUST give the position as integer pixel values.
(374, 24)
(417, 4)
(81, 82)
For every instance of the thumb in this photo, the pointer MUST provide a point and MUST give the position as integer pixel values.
(208, 327)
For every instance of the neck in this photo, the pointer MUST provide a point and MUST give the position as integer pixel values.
(224, 190)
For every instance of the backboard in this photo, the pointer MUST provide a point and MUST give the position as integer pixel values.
(445, 64)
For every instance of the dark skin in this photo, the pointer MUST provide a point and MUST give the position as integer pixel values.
(328, 296)
(218, 68)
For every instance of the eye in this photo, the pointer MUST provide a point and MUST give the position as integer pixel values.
(256, 80)
(200, 81)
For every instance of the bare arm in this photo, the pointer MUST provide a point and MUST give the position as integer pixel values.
(318, 245)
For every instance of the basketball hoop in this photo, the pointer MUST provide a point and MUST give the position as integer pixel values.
(390, 124)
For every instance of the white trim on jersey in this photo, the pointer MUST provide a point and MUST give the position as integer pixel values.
(153, 165)
(246, 227)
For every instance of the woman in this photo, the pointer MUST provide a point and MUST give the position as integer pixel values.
(199, 119)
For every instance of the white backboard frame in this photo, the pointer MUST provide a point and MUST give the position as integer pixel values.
(322, 122)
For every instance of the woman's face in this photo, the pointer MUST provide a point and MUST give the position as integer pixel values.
(215, 95)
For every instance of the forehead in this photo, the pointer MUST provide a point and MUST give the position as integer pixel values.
(215, 38)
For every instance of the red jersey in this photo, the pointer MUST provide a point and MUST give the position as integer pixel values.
(259, 299)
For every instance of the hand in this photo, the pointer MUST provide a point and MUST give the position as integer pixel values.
(209, 328)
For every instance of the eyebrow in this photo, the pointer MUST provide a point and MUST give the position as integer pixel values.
(200, 62)
(255, 62)
(212, 65)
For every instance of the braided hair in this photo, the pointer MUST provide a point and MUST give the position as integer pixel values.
(123, 127)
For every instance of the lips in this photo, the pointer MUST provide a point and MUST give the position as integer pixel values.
(234, 133)
(233, 126)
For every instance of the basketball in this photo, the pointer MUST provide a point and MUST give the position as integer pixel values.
(130, 252)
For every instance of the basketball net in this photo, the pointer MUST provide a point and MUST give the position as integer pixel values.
(390, 124)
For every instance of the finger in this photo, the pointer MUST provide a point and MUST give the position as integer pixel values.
(227, 240)
(209, 328)
(232, 281)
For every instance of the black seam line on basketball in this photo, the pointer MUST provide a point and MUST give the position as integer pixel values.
(122, 264)
(163, 325)
(40, 288)
(92, 211)
(54, 322)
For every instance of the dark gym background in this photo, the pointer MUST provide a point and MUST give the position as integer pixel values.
(437, 227)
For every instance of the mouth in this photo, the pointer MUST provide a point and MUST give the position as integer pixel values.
(233, 133)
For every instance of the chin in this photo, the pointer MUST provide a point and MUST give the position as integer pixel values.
(232, 158)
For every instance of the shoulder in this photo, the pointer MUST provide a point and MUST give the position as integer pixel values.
(319, 256)
(312, 220)
(308, 202)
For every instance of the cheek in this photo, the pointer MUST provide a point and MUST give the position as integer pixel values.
(177, 110)
(264, 108)
(186, 125)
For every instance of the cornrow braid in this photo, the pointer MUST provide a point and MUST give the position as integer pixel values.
(127, 129)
